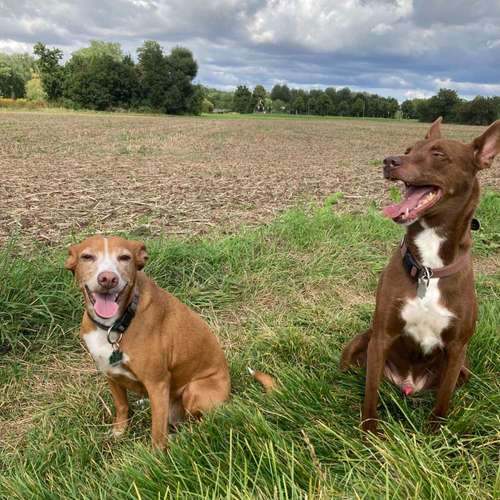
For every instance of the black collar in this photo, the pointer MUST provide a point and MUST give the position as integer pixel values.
(418, 271)
(123, 322)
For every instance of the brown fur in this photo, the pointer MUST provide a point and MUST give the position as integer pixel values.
(174, 356)
(384, 349)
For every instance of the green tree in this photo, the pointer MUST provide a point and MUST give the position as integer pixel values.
(409, 109)
(166, 80)
(50, 70)
(281, 92)
(34, 89)
(259, 95)
(479, 111)
(242, 100)
(101, 82)
(446, 104)
(99, 48)
(152, 69)
(15, 71)
(279, 106)
(358, 107)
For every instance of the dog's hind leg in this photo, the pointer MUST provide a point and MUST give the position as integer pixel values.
(354, 352)
(202, 395)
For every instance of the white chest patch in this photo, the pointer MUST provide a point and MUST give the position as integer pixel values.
(100, 349)
(426, 318)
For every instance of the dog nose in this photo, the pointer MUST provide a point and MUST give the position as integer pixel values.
(107, 279)
(390, 163)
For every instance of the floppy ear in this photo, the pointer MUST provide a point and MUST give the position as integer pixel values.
(487, 146)
(435, 130)
(72, 259)
(140, 254)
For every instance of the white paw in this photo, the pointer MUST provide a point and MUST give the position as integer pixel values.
(118, 432)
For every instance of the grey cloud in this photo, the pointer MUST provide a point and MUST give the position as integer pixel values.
(398, 47)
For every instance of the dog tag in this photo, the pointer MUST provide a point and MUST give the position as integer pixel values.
(115, 358)
(423, 282)
(422, 288)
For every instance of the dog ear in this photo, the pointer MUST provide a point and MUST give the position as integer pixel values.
(140, 254)
(72, 259)
(434, 131)
(487, 146)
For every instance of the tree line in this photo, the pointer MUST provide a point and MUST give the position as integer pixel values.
(102, 77)
(282, 99)
(446, 103)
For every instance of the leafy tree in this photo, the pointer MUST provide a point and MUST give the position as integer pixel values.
(194, 101)
(298, 105)
(358, 107)
(101, 82)
(34, 89)
(15, 71)
(259, 95)
(279, 106)
(220, 98)
(99, 48)
(444, 104)
(207, 106)
(50, 70)
(242, 100)
(281, 92)
(152, 70)
(166, 81)
(409, 109)
(479, 111)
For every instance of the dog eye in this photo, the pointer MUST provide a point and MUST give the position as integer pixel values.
(124, 258)
(87, 257)
(407, 152)
(438, 154)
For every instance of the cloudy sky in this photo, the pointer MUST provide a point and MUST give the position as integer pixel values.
(403, 48)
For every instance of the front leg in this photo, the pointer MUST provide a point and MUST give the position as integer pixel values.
(119, 394)
(455, 359)
(376, 356)
(159, 397)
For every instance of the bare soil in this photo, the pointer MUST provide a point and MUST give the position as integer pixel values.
(64, 173)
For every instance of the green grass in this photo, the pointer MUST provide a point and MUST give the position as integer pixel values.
(288, 116)
(284, 298)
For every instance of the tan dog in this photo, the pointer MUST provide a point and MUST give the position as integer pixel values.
(143, 338)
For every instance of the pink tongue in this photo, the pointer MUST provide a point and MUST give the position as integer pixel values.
(409, 202)
(105, 305)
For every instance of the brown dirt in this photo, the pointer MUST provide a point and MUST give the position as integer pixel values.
(63, 173)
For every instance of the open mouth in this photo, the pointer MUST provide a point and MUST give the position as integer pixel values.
(105, 304)
(417, 200)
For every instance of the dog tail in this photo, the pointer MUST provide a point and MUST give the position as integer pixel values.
(267, 382)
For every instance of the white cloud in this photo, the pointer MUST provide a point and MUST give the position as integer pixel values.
(12, 46)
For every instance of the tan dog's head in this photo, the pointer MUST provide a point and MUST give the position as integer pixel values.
(105, 270)
(438, 173)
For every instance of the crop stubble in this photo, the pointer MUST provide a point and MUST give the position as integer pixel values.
(63, 173)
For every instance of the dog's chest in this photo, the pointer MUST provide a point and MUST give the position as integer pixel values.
(425, 318)
(100, 349)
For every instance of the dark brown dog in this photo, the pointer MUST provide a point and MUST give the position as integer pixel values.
(425, 305)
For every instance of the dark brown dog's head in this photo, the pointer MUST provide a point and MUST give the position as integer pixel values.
(438, 173)
(106, 270)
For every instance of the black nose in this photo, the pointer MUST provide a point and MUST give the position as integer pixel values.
(390, 163)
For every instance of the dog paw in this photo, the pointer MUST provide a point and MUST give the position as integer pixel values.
(370, 425)
(118, 432)
(434, 423)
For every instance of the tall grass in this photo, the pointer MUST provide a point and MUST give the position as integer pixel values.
(284, 298)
